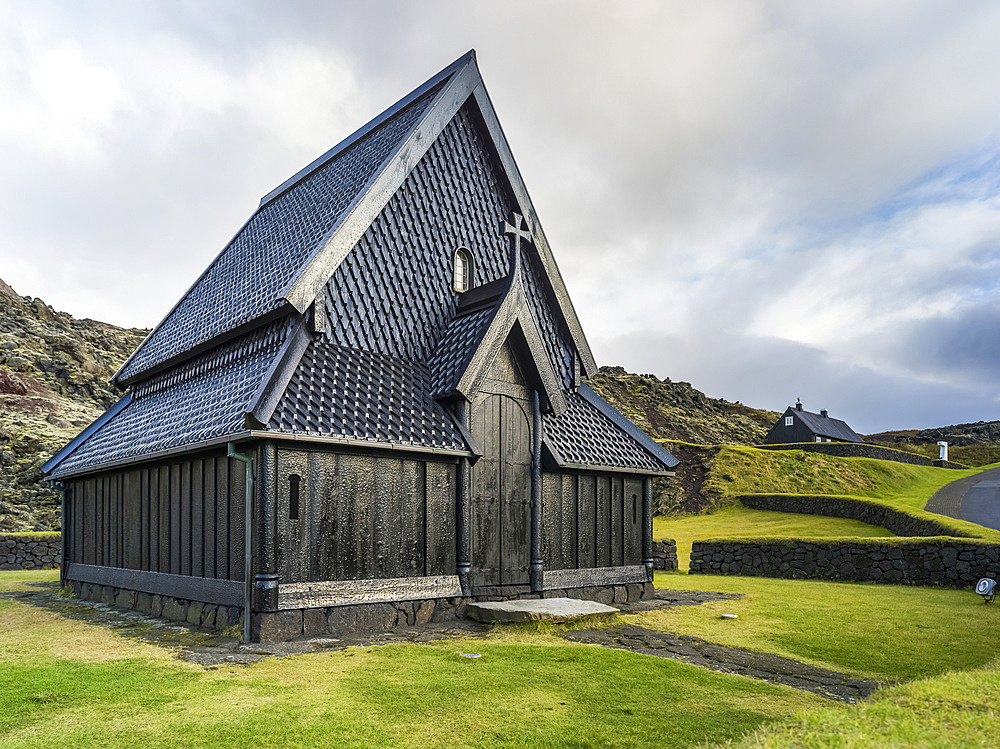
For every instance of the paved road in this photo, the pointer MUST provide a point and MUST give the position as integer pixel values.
(976, 499)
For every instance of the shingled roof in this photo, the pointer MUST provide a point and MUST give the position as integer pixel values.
(330, 314)
(823, 426)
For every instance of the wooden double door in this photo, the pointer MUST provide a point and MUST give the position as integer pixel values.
(501, 487)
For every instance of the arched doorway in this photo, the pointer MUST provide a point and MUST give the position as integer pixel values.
(501, 481)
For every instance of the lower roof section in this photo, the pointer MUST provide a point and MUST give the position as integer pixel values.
(336, 395)
(591, 435)
(204, 399)
(338, 391)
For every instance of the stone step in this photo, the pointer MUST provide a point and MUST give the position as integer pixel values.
(537, 610)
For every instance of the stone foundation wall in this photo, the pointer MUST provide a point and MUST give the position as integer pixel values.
(196, 613)
(384, 617)
(907, 562)
(30, 551)
(331, 620)
(856, 450)
(665, 554)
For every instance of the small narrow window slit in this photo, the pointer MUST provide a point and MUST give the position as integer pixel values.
(635, 503)
(293, 496)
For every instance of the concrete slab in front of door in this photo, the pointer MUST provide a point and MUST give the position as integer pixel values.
(537, 610)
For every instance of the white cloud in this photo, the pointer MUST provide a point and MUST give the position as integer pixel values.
(818, 180)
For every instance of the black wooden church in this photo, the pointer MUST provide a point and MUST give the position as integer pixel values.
(369, 407)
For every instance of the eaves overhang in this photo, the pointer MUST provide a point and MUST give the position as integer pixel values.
(52, 463)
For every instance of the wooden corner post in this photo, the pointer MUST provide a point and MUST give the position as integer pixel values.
(464, 565)
(647, 527)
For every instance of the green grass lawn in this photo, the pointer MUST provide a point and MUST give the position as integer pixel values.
(958, 710)
(888, 633)
(737, 521)
(70, 683)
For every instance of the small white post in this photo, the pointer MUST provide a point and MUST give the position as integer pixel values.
(944, 450)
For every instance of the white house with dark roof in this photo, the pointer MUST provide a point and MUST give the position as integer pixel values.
(368, 409)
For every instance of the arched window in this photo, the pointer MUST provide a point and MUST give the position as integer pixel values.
(463, 270)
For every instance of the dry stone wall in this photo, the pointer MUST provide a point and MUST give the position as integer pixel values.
(919, 561)
(665, 555)
(856, 450)
(30, 551)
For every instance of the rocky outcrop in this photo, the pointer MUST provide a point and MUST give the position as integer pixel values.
(677, 411)
(54, 380)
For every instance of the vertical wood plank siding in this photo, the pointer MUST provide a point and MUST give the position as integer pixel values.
(361, 517)
(587, 520)
(180, 518)
(208, 518)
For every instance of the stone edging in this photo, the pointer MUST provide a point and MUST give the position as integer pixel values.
(856, 450)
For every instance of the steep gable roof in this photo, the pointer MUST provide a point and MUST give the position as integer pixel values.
(593, 433)
(346, 327)
(201, 401)
(289, 249)
(824, 426)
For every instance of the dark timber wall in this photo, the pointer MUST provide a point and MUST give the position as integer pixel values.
(591, 520)
(361, 517)
(181, 518)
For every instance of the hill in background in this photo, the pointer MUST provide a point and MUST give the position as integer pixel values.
(975, 444)
(677, 411)
(54, 380)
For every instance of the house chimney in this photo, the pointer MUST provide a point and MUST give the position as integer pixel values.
(798, 404)
(823, 413)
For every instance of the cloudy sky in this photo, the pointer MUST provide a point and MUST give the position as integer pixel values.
(766, 199)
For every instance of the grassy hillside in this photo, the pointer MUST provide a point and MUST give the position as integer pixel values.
(710, 473)
(747, 471)
(677, 411)
(726, 471)
(54, 372)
